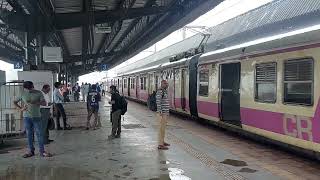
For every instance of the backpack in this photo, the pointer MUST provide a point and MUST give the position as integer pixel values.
(152, 102)
(124, 105)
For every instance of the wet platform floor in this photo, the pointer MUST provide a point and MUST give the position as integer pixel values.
(197, 152)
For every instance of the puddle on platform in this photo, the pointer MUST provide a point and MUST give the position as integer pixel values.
(248, 170)
(3, 152)
(233, 162)
(44, 173)
(174, 174)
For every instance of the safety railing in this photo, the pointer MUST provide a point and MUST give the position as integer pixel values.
(11, 121)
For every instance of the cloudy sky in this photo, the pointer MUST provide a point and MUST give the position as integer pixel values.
(223, 12)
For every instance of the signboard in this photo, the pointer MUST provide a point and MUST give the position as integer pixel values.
(102, 29)
(18, 65)
(52, 54)
(103, 67)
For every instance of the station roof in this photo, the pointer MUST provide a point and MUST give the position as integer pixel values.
(276, 17)
(70, 24)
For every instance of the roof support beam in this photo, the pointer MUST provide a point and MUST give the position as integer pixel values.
(71, 20)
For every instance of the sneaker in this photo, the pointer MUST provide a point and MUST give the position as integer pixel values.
(111, 137)
(117, 136)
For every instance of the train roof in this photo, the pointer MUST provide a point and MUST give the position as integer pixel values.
(276, 17)
(278, 43)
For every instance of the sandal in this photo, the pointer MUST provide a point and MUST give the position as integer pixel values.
(46, 154)
(162, 147)
(166, 144)
(29, 154)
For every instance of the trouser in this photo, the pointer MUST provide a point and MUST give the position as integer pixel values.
(60, 112)
(76, 96)
(103, 92)
(45, 115)
(32, 124)
(116, 123)
(163, 118)
(95, 112)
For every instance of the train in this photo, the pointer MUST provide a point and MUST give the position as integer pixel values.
(268, 87)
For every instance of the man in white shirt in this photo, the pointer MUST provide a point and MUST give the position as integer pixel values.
(45, 113)
(58, 100)
(85, 91)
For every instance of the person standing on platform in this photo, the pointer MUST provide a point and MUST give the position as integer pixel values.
(103, 89)
(86, 89)
(82, 91)
(45, 113)
(93, 107)
(115, 113)
(31, 100)
(163, 113)
(76, 90)
(58, 100)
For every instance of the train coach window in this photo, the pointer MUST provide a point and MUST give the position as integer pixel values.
(266, 82)
(143, 83)
(298, 81)
(204, 82)
(132, 83)
(125, 83)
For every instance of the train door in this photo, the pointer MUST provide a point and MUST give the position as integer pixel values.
(183, 88)
(138, 87)
(230, 93)
(129, 86)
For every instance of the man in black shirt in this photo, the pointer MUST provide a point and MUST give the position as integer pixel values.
(115, 113)
(93, 99)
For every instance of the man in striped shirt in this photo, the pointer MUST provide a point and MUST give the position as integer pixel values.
(163, 112)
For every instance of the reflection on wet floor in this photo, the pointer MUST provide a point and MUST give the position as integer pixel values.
(233, 162)
(45, 173)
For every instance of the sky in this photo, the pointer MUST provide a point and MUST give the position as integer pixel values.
(223, 12)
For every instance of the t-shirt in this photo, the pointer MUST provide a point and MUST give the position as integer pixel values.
(47, 99)
(33, 110)
(117, 105)
(93, 99)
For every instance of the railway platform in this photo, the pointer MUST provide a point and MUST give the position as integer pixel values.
(197, 152)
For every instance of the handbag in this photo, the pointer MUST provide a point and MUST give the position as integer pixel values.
(51, 125)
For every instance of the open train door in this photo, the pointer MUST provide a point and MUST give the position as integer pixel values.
(229, 92)
(183, 89)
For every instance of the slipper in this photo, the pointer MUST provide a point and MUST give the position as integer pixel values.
(162, 147)
(46, 154)
(166, 144)
(29, 154)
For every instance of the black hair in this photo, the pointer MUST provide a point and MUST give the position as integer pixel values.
(28, 85)
(113, 87)
(46, 86)
(93, 86)
(57, 84)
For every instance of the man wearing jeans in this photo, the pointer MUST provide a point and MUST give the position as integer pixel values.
(115, 113)
(31, 100)
(58, 100)
(162, 113)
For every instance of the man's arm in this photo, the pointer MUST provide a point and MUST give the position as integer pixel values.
(15, 102)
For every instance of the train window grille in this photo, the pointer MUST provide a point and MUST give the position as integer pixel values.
(204, 82)
(143, 83)
(125, 83)
(132, 82)
(266, 82)
(298, 81)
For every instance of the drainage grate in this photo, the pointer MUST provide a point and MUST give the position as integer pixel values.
(133, 126)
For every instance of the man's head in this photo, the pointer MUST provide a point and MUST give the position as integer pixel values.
(113, 89)
(164, 84)
(46, 88)
(93, 87)
(57, 85)
(28, 85)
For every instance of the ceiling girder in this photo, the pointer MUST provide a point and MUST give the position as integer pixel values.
(71, 20)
